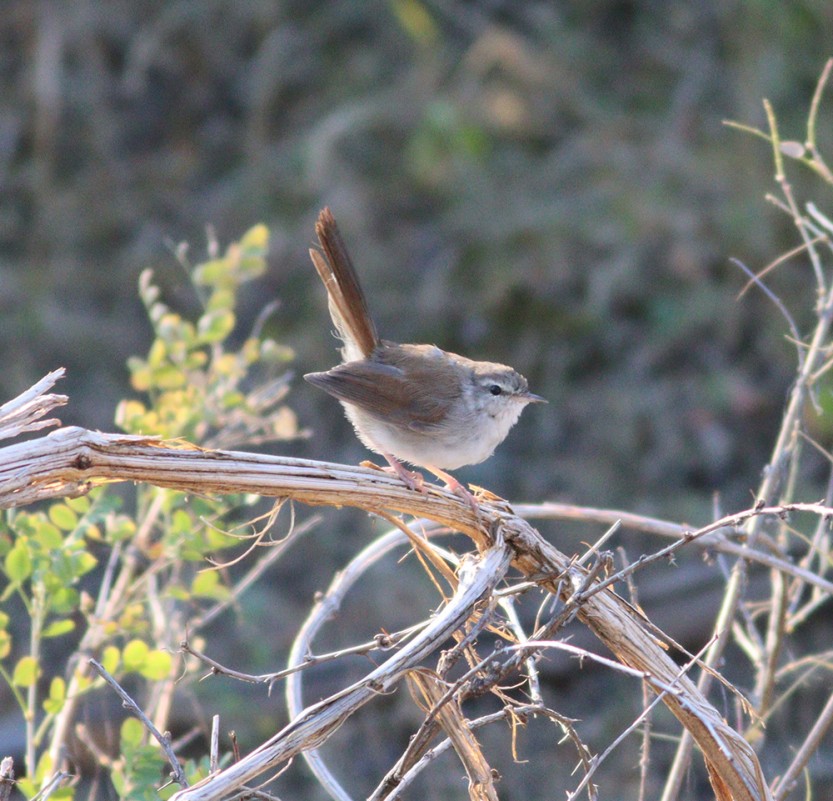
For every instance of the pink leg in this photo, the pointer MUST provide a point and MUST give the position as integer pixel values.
(416, 481)
(455, 486)
(412, 479)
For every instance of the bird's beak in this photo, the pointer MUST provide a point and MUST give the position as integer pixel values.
(531, 397)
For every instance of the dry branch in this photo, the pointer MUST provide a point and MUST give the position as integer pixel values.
(319, 721)
(72, 460)
(24, 413)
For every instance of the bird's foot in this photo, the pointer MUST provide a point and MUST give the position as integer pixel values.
(412, 479)
(456, 487)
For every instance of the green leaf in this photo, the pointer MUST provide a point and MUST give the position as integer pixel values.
(158, 353)
(63, 600)
(207, 585)
(110, 658)
(80, 505)
(196, 360)
(57, 696)
(255, 242)
(168, 377)
(177, 592)
(139, 377)
(91, 532)
(63, 517)
(215, 326)
(147, 291)
(221, 300)
(59, 627)
(120, 527)
(5, 644)
(30, 785)
(83, 563)
(49, 536)
(131, 733)
(271, 351)
(26, 672)
(166, 321)
(157, 666)
(129, 413)
(82, 681)
(416, 19)
(226, 365)
(18, 562)
(134, 655)
(119, 781)
(213, 272)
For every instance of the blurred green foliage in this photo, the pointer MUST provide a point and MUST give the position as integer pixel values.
(544, 184)
(195, 383)
(109, 583)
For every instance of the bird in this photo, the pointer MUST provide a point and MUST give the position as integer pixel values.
(410, 403)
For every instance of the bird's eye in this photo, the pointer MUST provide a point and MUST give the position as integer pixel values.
(495, 389)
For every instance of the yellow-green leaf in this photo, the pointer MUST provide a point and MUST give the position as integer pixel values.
(271, 351)
(215, 326)
(157, 666)
(59, 627)
(110, 659)
(57, 696)
(84, 563)
(63, 517)
(120, 528)
(132, 733)
(64, 599)
(134, 654)
(221, 300)
(158, 353)
(80, 505)
(26, 672)
(149, 292)
(49, 536)
(416, 19)
(18, 563)
(211, 272)
(129, 413)
(255, 241)
(92, 533)
(168, 377)
(207, 585)
(83, 679)
(5, 644)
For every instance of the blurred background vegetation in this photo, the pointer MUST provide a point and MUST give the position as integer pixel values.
(546, 184)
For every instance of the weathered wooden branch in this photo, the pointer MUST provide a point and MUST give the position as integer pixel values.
(70, 461)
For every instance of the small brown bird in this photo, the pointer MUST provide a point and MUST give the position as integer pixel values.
(412, 403)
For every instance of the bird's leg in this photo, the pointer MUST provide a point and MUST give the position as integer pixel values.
(412, 479)
(455, 486)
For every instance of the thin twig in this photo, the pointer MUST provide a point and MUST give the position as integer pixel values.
(713, 540)
(315, 723)
(164, 740)
(756, 281)
(812, 143)
(808, 748)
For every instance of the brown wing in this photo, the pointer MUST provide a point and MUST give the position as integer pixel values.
(384, 390)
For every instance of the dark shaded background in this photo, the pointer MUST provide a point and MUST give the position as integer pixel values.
(543, 184)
